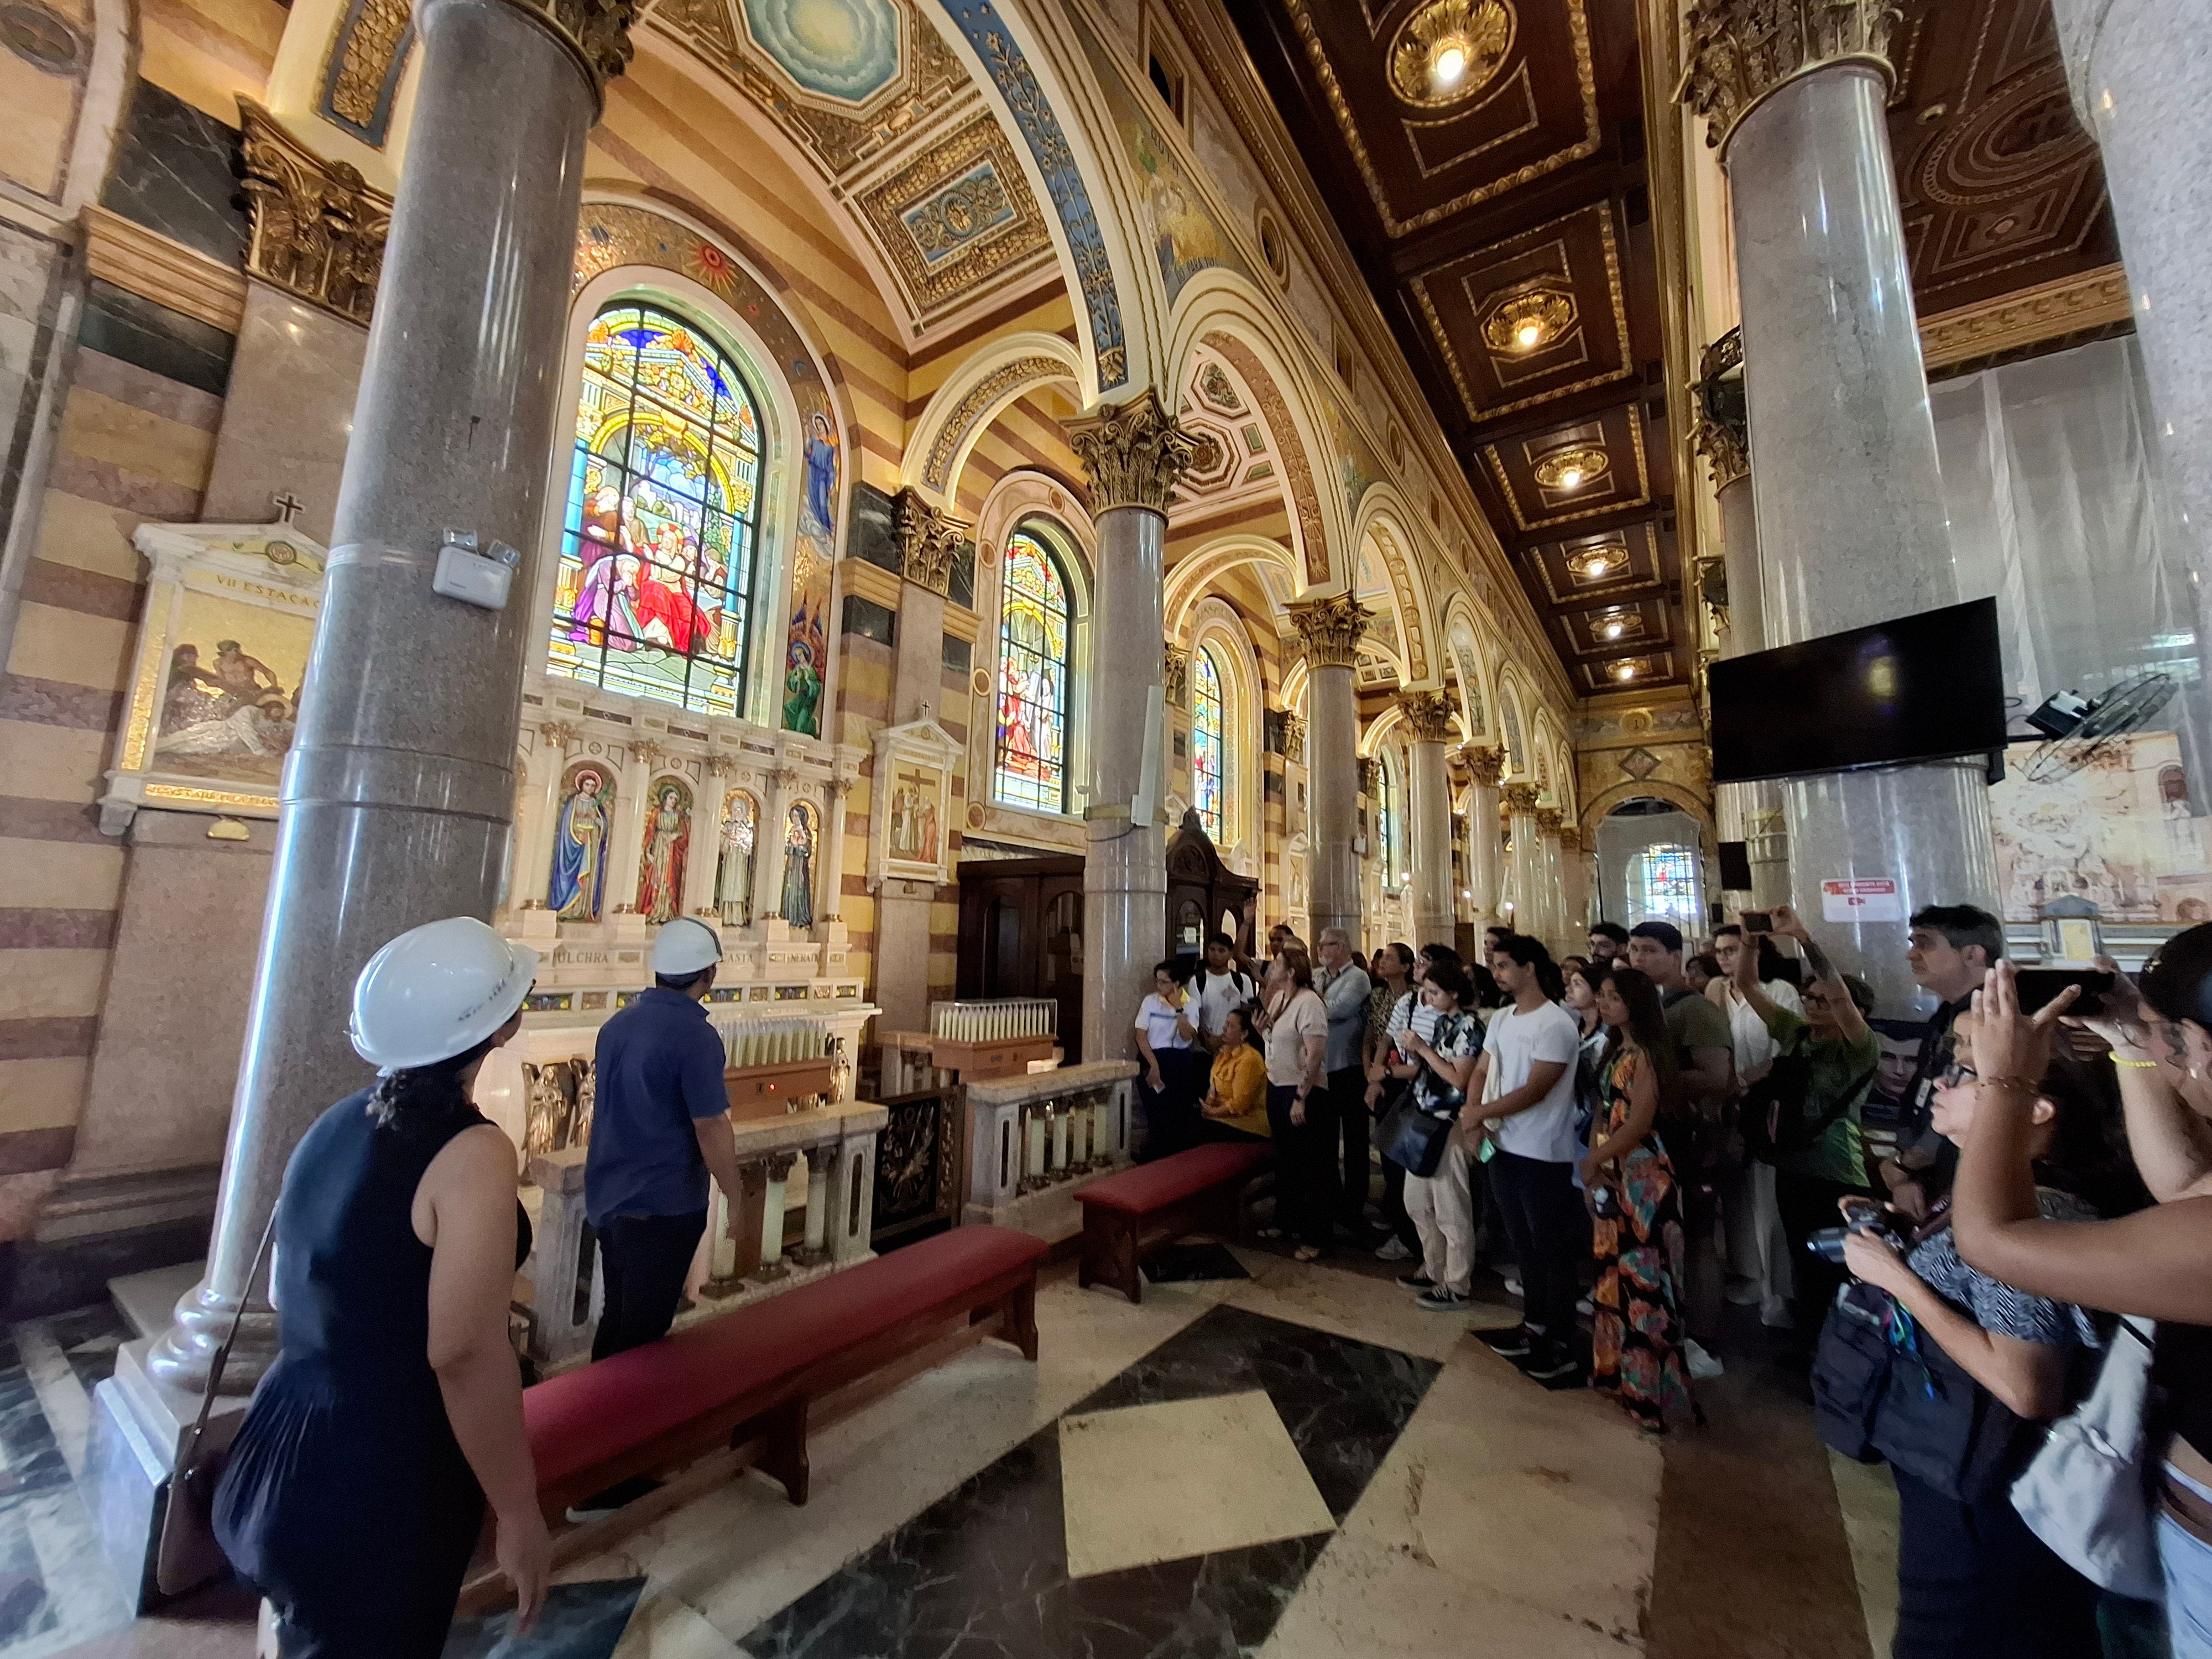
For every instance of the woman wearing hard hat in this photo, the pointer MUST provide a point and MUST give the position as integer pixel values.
(357, 1484)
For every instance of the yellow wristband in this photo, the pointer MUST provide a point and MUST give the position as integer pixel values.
(2117, 1060)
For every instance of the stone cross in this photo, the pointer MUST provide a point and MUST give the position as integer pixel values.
(287, 506)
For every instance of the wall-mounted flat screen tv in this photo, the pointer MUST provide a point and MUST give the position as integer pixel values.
(1921, 688)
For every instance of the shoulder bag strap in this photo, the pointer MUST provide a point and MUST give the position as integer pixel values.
(191, 1450)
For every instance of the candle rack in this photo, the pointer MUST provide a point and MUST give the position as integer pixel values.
(993, 1039)
(776, 1067)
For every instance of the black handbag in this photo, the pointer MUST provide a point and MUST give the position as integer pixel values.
(186, 1553)
(1410, 1138)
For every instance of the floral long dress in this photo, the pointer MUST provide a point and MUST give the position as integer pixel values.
(1635, 1337)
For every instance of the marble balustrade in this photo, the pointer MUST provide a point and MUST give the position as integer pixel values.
(1033, 1141)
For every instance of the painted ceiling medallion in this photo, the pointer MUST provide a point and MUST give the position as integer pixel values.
(843, 50)
(1528, 321)
(1449, 50)
(1572, 467)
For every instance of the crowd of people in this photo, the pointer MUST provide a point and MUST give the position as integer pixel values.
(2003, 1293)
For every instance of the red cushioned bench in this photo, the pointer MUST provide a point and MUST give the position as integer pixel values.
(747, 1380)
(1126, 1217)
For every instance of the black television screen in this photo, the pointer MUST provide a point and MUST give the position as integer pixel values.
(1921, 688)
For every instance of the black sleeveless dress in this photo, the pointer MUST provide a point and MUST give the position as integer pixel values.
(347, 1501)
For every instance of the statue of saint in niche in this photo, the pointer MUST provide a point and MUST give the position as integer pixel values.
(667, 839)
(734, 875)
(798, 867)
(580, 847)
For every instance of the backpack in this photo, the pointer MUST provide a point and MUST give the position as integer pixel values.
(1776, 1118)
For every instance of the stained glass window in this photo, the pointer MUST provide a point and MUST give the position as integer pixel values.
(1208, 766)
(1667, 877)
(1389, 820)
(654, 596)
(1030, 767)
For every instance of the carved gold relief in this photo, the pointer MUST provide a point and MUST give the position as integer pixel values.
(2026, 317)
(1332, 630)
(929, 542)
(1742, 50)
(936, 471)
(1174, 676)
(1722, 435)
(1487, 765)
(595, 31)
(1428, 714)
(367, 55)
(1134, 452)
(318, 227)
(1520, 799)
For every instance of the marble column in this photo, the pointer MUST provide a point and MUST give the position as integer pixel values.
(830, 906)
(1332, 630)
(1134, 453)
(1487, 866)
(1849, 498)
(704, 857)
(1551, 875)
(768, 844)
(400, 785)
(1428, 718)
(2139, 69)
(1574, 886)
(1528, 886)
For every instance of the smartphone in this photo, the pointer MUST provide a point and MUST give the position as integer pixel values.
(2037, 986)
(1758, 921)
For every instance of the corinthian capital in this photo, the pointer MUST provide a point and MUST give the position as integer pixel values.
(929, 541)
(1723, 430)
(1332, 630)
(1741, 50)
(1549, 818)
(1488, 765)
(1520, 799)
(1134, 452)
(1428, 713)
(595, 31)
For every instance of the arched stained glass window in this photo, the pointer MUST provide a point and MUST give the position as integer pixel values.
(1667, 882)
(1030, 760)
(1389, 818)
(655, 591)
(1209, 768)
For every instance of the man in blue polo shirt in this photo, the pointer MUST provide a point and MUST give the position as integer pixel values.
(661, 1127)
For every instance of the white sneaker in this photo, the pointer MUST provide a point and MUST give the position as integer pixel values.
(1702, 1364)
(1512, 1284)
(1392, 1249)
(1586, 1307)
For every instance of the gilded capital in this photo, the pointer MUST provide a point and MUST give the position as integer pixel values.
(1549, 819)
(1722, 435)
(1428, 714)
(595, 31)
(1570, 838)
(319, 228)
(1488, 765)
(1740, 51)
(1520, 799)
(929, 541)
(1134, 453)
(1332, 630)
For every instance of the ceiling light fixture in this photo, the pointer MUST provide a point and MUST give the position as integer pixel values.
(1527, 320)
(1615, 628)
(1449, 64)
(1571, 478)
(1448, 49)
(1626, 671)
(1571, 467)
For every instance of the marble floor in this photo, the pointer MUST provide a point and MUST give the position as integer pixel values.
(1263, 1459)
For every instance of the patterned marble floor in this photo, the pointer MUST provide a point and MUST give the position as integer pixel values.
(1294, 1462)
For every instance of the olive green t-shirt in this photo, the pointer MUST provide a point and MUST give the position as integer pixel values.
(1840, 1153)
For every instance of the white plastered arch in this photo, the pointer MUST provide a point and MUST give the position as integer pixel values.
(961, 410)
(1384, 520)
(1196, 572)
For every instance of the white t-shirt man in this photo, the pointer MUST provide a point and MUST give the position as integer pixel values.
(1214, 995)
(1754, 1043)
(1517, 1042)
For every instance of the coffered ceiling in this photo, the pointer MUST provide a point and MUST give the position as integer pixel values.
(1501, 217)
(1486, 159)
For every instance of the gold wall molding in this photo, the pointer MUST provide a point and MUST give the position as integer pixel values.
(1428, 714)
(929, 542)
(2028, 317)
(936, 471)
(361, 77)
(1741, 52)
(1134, 453)
(1332, 630)
(319, 227)
(152, 267)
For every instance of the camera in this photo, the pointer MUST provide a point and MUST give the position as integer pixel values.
(1866, 1217)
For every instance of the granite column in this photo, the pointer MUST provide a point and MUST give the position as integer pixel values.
(399, 789)
(1332, 630)
(1551, 877)
(1849, 498)
(1488, 866)
(1521, 819)
(1134, 453)
(1428, 716)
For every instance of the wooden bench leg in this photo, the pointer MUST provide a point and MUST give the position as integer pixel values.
(1021, 1319)
(1127, 1273)
(785, 1456)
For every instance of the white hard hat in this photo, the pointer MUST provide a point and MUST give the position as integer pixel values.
(686, 945)
(437, 991)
